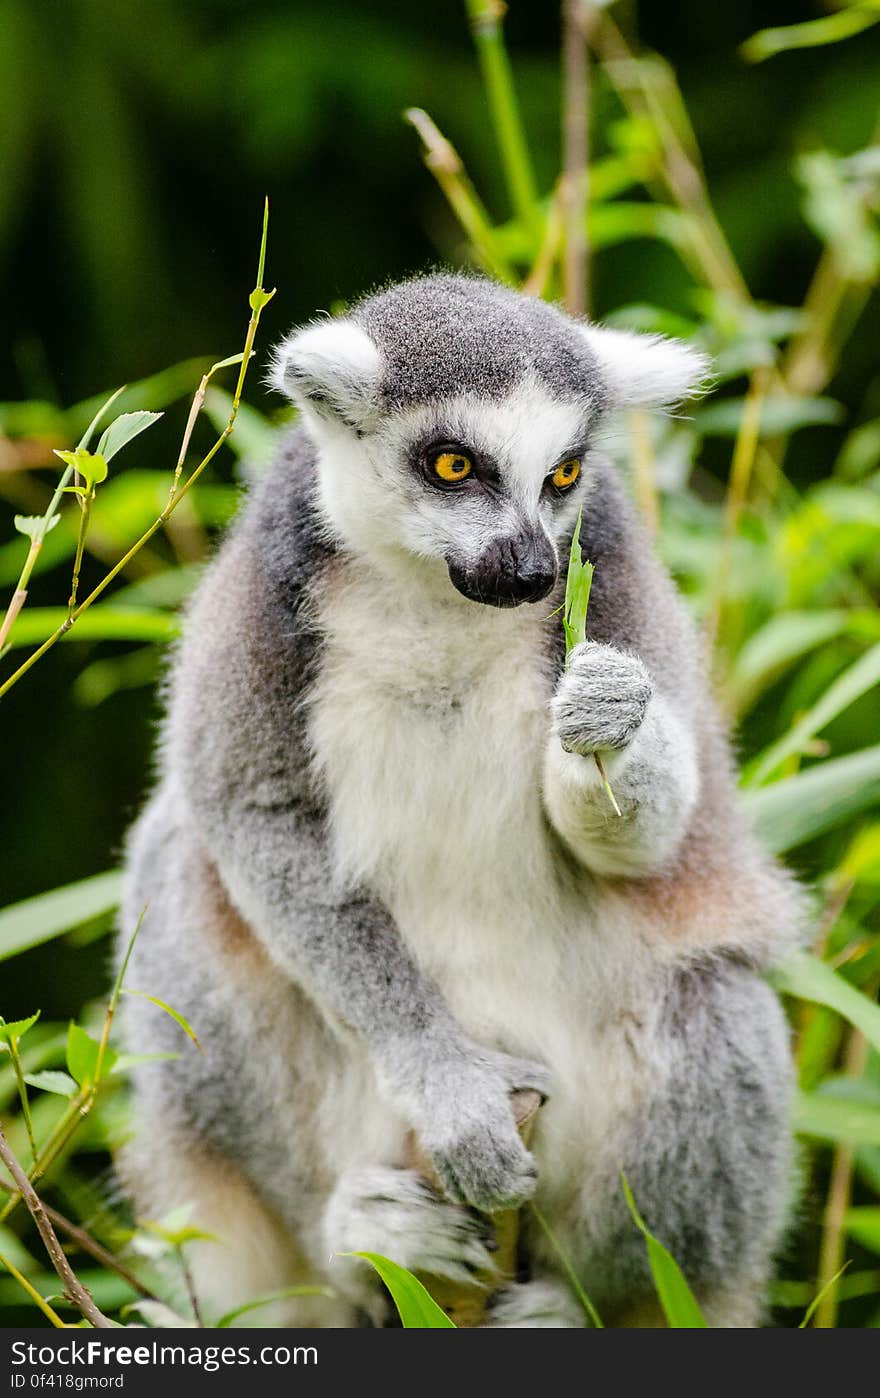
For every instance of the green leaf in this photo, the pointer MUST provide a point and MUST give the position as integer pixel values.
(82, 1055)
(678, 1301)
(99, 623)
(125, 1061)
(830, 29)
(260, 298)
(228, 363)
(863, 1224)
(417, 1308)
(52, 1081)
(226, 1320)
(122, 430)
(781, 641)
(92, 467)
(792, 811)
(832, 1118)
(16, 1028)
(175, 1229)
(809, 978)
(578, 582)
(818, 1298)
(35, 526)
(857, 680)
(779, 416)
(178, 1018)
(35, 920)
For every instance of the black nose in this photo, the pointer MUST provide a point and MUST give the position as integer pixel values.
(508, 571)
(534, 571)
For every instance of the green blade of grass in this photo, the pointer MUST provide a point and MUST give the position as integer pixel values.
(678, 1301)
(417, 1308)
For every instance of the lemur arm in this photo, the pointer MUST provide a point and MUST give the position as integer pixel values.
(631, 695)
(236, 745)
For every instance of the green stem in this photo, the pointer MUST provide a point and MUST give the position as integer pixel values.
(19, 596)
(77, 1110)
(80, 544)
(32, 1292)
(23, 1095)
(568, 1268)
(445, 164)
(257, 304)
(485, 18)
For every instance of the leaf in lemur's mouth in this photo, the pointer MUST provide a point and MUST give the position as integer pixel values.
(578, 583)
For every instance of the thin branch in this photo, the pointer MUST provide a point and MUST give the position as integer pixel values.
(74, 1288)
(89, 1243)
(258, 300)
(191, 1289)
(744, 452)
(838, 1201)
(445, 164)
(578, 17)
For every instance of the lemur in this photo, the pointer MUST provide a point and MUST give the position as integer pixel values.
(383, 878)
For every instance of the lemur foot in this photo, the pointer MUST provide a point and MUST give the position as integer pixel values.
(535, 1305)
(397, 1214)
(601, 698)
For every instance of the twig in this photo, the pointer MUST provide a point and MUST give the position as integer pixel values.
(538, 278)
(680, 170)
(258, 300)
(445, 164)
(578, 19)
(19, 597)
(837, 1203)
(90, 1244)
(643, 468)
(75, 1290)
(191, 1289)
(744, 451)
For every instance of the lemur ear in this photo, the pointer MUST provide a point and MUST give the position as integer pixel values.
(645, 371)
(331, 367)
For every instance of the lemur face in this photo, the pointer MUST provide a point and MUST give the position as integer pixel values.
(453, 419)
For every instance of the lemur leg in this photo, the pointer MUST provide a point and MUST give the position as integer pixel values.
(726, 1308)
(253, 1255)
(541, 1304)
(396, 1213)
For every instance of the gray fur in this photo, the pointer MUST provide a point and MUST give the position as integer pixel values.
(433, 334)
(329, 1026)
(601, 699)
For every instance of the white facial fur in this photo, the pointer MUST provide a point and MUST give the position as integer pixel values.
(379, 505)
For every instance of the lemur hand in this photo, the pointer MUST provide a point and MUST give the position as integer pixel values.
(468, 1129)
(601, 698)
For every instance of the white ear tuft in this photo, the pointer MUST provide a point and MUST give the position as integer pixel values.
(329, 366)
(645, 371)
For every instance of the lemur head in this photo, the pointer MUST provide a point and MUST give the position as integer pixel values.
(452, 418)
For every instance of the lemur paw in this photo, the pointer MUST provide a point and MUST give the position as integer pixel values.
(601, 699)
(397, 1214)
(468, 1130)
(535, 1305)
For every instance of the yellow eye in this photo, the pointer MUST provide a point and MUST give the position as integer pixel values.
(452, 466)
(566, 474)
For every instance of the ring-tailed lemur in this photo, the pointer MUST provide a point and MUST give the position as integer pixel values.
(383, 878)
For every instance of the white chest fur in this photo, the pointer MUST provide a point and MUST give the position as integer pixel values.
(428, 726)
